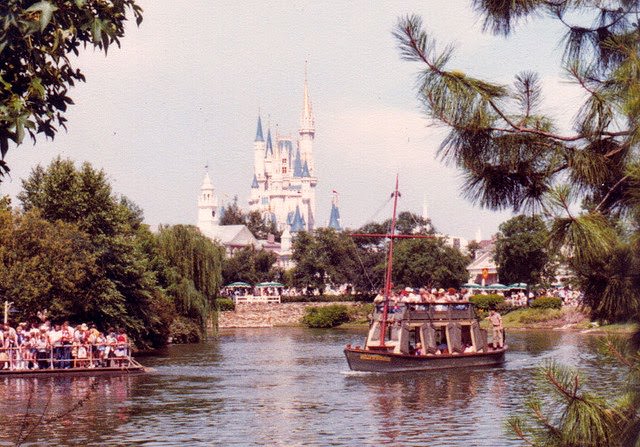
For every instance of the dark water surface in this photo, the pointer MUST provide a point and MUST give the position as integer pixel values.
(285, 387)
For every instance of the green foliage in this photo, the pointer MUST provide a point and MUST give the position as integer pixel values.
(259, 225)
(513, 157)
(232, 214)
(191, 273)
(250, 265)
(323, 257)
(547, 302)
(586, 181)
(565, 414)
(183, 330)
(521, 249)
(121, 290)
(37, 42)
(225, 305)
(325, 316)
(428, 262)
(486, 302)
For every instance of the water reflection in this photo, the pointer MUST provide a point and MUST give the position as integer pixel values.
(56, 410)
(285, 387)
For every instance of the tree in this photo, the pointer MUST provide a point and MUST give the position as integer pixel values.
(260, 228)
(250, 265)
(512, 154)
(232, 214)
(37, 39)
(587, 181)
(122, 290)
(255, 222)
(428, 262)
(371, 252)
(472, 248)
(324, 257)
(521, 249)
(44, 265)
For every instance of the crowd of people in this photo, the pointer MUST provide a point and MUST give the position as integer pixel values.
(61, 346)
(424, 295)
(515, 297)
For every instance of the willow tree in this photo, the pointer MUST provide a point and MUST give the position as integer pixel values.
(190, 270)
(586, 180)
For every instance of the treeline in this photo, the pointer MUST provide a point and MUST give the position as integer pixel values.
(74, 248)
(329, 258)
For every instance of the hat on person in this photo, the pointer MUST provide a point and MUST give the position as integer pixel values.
(440, 290)
(408, 289)
(84, 326)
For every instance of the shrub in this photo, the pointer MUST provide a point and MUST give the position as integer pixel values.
(224, 304)
(487, 302)
(183, 330)
(547, 302)
(540, 315)
(326, 316)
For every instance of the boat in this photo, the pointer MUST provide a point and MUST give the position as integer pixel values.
(89, 366)
(416, 336)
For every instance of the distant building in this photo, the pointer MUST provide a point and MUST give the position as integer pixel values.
(483, 269)
(210, 211)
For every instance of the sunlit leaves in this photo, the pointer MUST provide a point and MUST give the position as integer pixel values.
(35, 69)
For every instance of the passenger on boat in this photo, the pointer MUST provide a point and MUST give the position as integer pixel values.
(419, 350)
(498, 330)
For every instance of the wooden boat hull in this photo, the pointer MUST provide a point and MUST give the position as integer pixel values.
(374, 361)
(137, 369)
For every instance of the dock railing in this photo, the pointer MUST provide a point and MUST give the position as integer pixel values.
(256, 299)
(77, 356)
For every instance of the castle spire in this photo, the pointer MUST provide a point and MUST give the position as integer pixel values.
(307, 122)
(259, 136)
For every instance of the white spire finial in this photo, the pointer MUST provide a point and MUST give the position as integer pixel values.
(307, 124)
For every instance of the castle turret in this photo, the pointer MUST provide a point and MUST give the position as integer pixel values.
(207, 204)
(259, 148)
(334, 218)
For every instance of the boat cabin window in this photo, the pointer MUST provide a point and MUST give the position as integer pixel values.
(465, 335)
(441, 339)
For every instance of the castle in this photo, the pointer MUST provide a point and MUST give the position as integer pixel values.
(283, 188)
(284, 183)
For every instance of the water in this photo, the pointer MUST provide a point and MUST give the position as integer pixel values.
(285, 387)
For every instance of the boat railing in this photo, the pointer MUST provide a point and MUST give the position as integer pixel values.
(428, 311)
(256, 299)
(76, 356)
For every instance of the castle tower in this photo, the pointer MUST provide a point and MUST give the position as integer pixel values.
(284, 181)
(207, 204)
(334, 218)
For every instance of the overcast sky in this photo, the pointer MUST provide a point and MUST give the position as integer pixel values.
(186, 86)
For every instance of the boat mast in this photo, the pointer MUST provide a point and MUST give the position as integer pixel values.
(387, 280)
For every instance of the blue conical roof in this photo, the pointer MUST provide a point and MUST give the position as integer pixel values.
(298, 221)
(334, 219)
(305, 170)
(259, 136)
(254, 184)
(269, 150)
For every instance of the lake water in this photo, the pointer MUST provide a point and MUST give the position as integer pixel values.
(285, 387)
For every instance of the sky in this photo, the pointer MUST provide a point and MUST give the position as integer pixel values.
(185, 89)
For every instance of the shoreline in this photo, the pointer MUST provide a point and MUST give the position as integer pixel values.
(269, 315)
